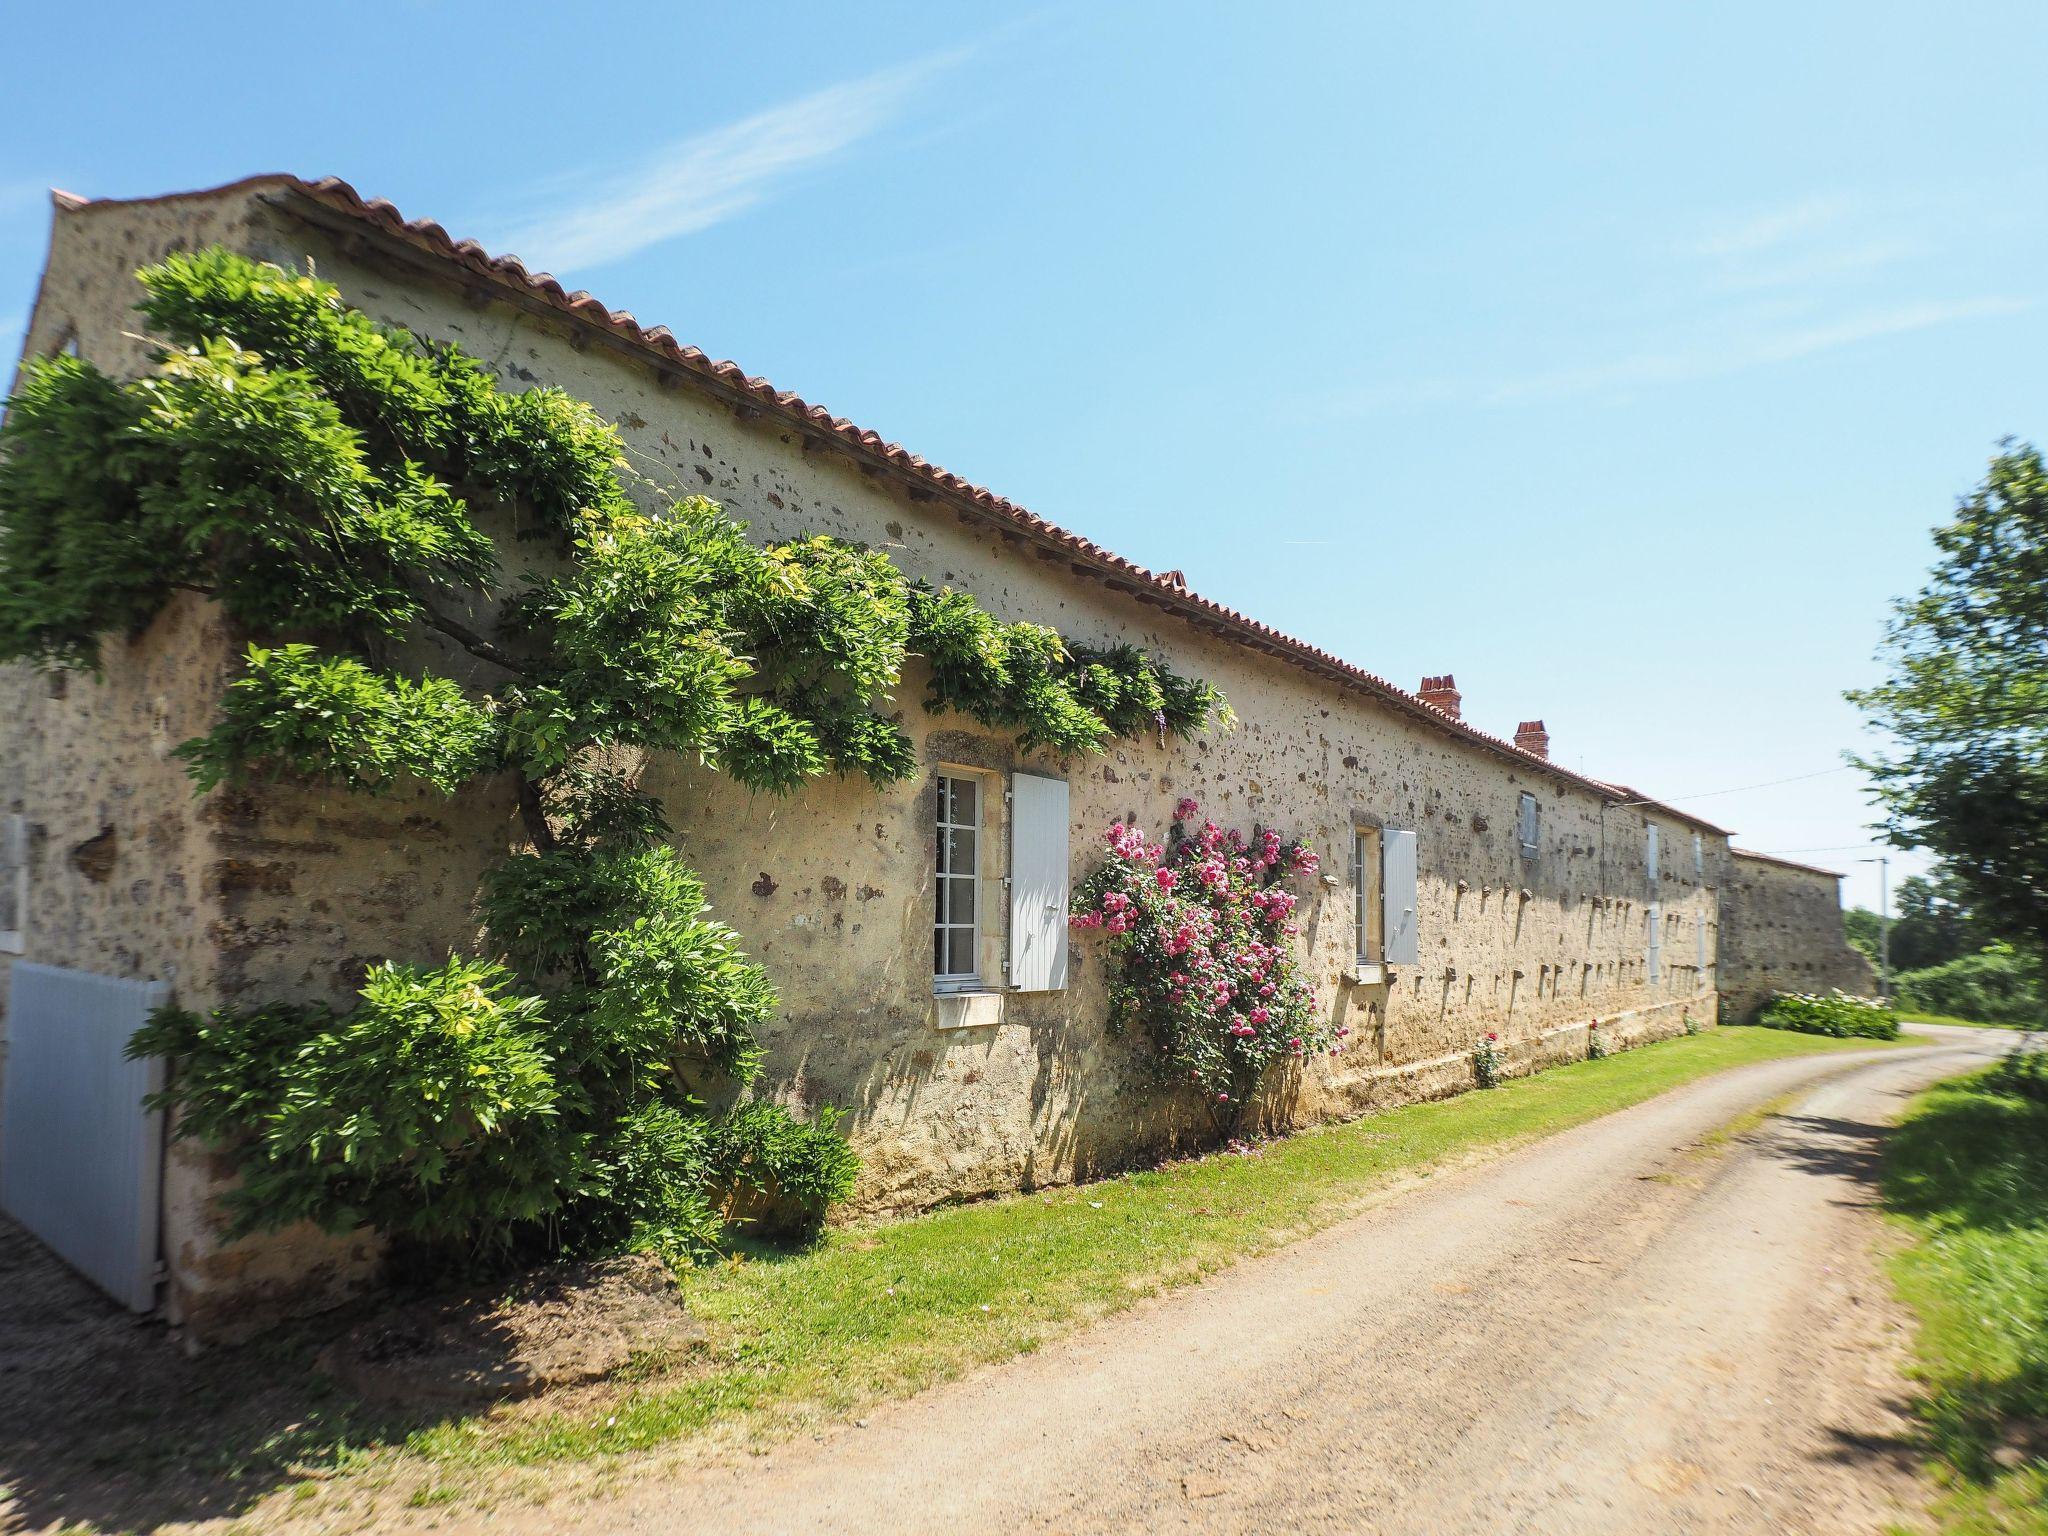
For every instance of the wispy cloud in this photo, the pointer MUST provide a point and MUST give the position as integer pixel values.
(1818, 239)
(1749, 234)
(709, 177)
(1740, 352)
(1746, 290)
(1737, 351)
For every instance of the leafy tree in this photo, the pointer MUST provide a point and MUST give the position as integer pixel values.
(1931, 925)
(1996, 985)
(1966, 702)
(323, 479)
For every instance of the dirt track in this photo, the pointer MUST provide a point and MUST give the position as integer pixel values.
(1616, 1330)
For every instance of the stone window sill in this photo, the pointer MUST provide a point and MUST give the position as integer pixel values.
(969, 1010)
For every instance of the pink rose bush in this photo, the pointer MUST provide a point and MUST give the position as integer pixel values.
(1201, 934)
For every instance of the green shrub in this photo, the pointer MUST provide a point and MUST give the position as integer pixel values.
(2024, 1073)
(1997, 985)
(429, 1110)
(1836, 1014)
(803, 1166)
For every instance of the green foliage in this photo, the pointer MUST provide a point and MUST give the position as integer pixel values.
(426, 1111)
(1836, 1014)
(332, 719)
(1966, 1175)
(805, 1165)
(1998, 985)
(2024, 1074)
(412, 402)
(313, 471)
(1026, 678)
(78, 557)
(666, 974)
(1966, 702)
(1932, 925)
(652, 1186)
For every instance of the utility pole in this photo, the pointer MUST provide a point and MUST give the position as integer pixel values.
(1884, 923)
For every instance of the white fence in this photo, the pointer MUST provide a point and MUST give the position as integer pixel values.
(81, 1160)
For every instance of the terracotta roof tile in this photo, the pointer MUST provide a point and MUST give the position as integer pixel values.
(427, 236)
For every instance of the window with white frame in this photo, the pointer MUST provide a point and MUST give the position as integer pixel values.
(1527, 823)
(956, 926)
(1367, 908)
(1699, 856)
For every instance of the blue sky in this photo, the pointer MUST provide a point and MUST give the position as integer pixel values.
(1614, 358)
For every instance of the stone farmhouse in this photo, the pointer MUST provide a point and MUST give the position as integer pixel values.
(1470, 883)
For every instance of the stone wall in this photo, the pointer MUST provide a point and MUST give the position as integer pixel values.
(1784, 934)
(290, 893)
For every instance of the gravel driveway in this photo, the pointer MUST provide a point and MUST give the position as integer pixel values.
(1616, 1330)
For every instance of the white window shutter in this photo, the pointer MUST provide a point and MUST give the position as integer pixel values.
(1656, 917)
(13, 885)
(1700, 941)
(1039, 863)
(1652, 856)
(1403, 940)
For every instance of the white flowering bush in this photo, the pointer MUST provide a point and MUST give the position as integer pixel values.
(1832, 1013)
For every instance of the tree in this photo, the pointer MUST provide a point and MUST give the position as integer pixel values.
(1965, 703)
(320, 477)
(1862, 927)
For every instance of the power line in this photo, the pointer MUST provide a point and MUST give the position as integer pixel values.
(1709, 794)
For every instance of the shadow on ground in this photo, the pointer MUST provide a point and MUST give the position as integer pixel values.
(106, 1424)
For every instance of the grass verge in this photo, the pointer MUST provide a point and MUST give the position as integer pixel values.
(884, 1311)
(1967, 1175)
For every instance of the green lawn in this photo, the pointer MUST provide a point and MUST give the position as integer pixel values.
(1967, 1174)
(883, 1311)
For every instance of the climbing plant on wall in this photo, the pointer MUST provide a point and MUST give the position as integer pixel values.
(328, 482)
(1202, 948)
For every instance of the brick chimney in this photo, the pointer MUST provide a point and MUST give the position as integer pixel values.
(1443, 693)
(1531, 737)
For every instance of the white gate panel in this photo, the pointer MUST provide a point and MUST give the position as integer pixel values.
(80, 1159)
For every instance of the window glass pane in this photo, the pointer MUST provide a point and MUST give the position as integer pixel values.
(959, 859)
(960, 952)
(963, 801)
(962, 909)
(943, 884)
(938, 951)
